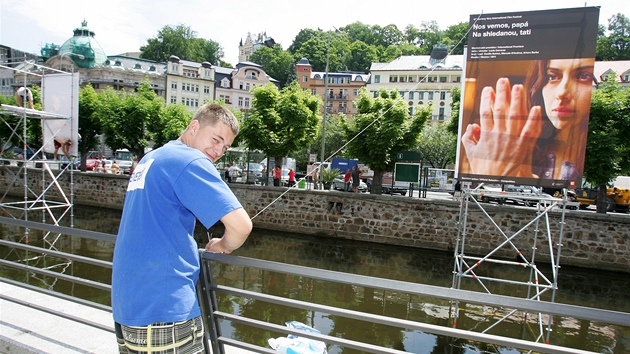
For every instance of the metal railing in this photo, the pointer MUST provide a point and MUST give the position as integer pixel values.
(209, 290)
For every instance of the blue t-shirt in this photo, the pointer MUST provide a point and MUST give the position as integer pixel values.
(156, 258)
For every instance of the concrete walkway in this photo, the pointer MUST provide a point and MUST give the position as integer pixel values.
(27, 330)
(24, 329)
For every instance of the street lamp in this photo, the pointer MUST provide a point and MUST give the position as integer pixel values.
(323, 157)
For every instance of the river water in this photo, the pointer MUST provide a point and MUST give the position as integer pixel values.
(606, 290)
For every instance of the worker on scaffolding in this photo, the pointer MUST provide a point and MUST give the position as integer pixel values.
(64, 144)
(24, 95)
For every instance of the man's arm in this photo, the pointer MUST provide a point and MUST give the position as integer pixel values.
(237, 228)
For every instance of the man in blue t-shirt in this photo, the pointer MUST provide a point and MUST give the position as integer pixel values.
(156, 258)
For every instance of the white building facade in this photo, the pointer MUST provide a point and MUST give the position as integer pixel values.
(189, 83)
(421, 80)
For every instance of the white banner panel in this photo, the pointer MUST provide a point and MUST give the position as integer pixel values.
(60, 94)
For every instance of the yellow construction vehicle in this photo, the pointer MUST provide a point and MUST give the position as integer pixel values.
(617, 195)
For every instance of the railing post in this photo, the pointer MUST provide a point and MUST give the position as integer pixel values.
(208, 303)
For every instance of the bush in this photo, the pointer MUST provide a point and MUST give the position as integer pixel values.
(329, 175)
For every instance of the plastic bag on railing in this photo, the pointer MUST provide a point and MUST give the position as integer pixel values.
(293, 344)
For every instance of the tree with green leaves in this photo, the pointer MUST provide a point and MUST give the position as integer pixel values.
(275, 61)
(608, 145)
(435, 145)
(89, 123)
(12, 127)
(173, 119)
(302, 37)
(456, 37)
(453, 125)
(381, 129)
(615, 45)
(360, 57)
(128, 118)
(282, 122)
(182, 42)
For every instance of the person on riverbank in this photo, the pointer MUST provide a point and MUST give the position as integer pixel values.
(156, 258)
(291, 177)
(277, 176)
(356, 179)
(346, 180)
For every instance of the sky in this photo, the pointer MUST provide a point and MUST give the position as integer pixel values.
(124, 26)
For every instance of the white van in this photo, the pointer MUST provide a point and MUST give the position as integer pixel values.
(124, 160)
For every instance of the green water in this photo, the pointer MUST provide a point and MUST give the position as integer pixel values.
(582, 287)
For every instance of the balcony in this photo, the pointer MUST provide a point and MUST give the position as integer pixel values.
(338, 96)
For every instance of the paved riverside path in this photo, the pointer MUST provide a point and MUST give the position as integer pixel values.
(27, 330)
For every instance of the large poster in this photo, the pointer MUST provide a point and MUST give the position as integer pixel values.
(60, 94)
(526, 97)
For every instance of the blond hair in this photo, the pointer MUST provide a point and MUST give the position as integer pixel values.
(211, 113)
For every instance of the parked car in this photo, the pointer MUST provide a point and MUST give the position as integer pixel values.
(340, 185)
(489, 193)
(386, 185)
(65, 162)
(92, 160)
(254, 173)
(104, 166)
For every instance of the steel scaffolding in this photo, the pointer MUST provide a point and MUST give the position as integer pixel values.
(37, 195)
(508, 252)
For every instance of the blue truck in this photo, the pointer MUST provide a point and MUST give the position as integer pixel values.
(343, 164)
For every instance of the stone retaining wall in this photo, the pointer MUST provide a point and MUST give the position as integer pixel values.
(589, 240)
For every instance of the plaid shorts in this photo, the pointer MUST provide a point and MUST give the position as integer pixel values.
(162, 338)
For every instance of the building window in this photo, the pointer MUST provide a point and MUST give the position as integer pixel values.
(377, 79)
(173, 99)
(403, 79)
(402, 94)
(430, 95)
(174, 85)
(355, 92)
(240, 101)
(411, 95)
(411, 111)
(458, 79)
(443, 95)
(246, 102)
(314, 92)
(393, 79)
(443, 78)
(304, 78)
(247, 86)
(421, 93)
(206, 89)
(411, 79)
(441, 117)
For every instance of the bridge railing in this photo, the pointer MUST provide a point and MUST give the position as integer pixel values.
(214, 315)
(210, 289)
